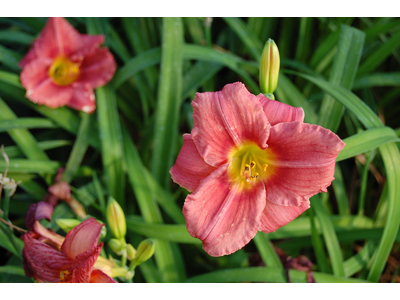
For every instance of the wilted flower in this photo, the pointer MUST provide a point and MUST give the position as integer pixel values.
(252, 164)
(63, 67)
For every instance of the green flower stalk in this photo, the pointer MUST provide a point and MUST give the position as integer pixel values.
(269, 69)
(116, 219)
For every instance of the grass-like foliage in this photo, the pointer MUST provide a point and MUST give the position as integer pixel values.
(343, 72)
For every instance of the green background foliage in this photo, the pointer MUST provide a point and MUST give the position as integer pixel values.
(345, 74)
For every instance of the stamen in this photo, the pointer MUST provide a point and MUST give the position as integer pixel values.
(252, 164)
(247, 167)
(264, 167)
(255, 175)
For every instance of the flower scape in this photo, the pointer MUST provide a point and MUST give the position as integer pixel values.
(251, 165)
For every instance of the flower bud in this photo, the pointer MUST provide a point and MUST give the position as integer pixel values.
(116, 246)
(269, 67)
(116, 219)
(130, 252)
(145, 251)
(67, 224)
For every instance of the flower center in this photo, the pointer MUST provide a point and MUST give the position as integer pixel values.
(63, 71)
(249, 164)
(65, 276)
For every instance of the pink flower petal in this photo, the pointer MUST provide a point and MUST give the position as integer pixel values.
(83, 264)
(48, 234)
(302, 162)
(225, 119)
(190, 168)
(58, 38)
(45, 261)
(40, 88)
(98, 276)
(82, 238)
(224, 217)
(37, 211)
(88, 44)
(278, 112)
(83, 99)
(30, 56)
(276, 216)
(97, 68)
(61, 190)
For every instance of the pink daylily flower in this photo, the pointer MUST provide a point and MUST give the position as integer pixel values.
(63, 67)
(252, 165)
(72, 262)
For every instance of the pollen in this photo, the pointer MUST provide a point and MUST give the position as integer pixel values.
(65, 276)
(63, 71)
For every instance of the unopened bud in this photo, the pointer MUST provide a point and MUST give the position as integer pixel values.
(130, 252)
(145, 250)
(116, 246)
(67, 224)
(269, 67)
(116, 219)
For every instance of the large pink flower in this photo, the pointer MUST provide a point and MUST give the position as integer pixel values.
(252, 165)
(72, 260)
(63, 67)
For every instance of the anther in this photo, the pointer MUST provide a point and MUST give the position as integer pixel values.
(252, 164)
(264, 167)
(255, 175)
(246, 167)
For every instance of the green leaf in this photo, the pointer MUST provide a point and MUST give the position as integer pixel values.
(343, 72)
(366, 141)
(375, 59)
(168, 102)
(266, 250)
(25, 123)
(22, 137)
(173, 233)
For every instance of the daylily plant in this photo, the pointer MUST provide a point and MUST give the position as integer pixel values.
(252, 165)
(63, 67)
(73, 262)
(49, 257)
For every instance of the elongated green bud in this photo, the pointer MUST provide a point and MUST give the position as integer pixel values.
(116, 219)
(67, 224)
(145, 250)
(116, 246)
(130, 252)
(269, 67)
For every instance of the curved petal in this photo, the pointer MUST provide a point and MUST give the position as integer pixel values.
(48, 234)
(37, 211)
(83, 99)
(275, 216)
(302, 162)
(98, 276)
(83, 264)
(88, 44)
(61, 190)
(40, 88)
(97, 68)
(58, 38)
(225, 119)
(278, 112)
(43, 260)
(190, 168)
(82, 238)
(222, 215)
